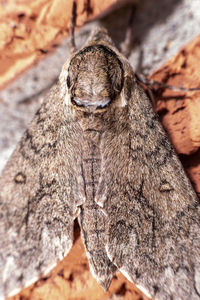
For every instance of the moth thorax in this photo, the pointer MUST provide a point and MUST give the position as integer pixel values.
(95, 77)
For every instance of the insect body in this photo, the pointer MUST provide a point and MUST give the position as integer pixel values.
(96, 145)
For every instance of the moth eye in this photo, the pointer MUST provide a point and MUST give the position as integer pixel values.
(68, 82)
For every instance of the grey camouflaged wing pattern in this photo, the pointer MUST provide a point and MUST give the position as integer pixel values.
(96, 150)
(154, 215)
(38, 197)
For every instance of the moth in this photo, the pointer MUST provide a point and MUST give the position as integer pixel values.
(96, 151)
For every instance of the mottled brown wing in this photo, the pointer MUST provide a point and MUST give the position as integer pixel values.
(153, 231)
(38, 197)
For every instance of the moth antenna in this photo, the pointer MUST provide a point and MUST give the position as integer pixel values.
(73, 25)
(126, 46)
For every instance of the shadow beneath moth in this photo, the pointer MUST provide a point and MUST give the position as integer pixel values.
(95, 150)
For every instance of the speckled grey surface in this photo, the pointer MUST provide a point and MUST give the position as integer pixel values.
(159, 30)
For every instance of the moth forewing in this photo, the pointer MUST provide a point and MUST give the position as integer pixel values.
(96, 147)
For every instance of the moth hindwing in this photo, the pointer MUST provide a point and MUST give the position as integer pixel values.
(97, 146)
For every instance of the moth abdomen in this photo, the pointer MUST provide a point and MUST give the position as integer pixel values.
(92, 219)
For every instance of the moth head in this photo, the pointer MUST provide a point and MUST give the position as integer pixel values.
(95, 78)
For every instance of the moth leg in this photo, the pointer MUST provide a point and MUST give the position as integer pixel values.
(73, 25)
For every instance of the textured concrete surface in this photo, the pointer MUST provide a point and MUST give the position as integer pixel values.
(159, 30)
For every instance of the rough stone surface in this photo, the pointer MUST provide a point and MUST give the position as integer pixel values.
(160, 28)
(180, 111)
